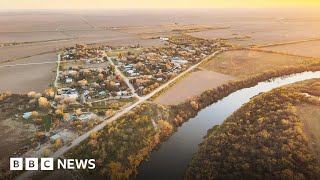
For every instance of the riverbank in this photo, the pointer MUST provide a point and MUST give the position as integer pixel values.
(267, 138)
(171, 159)
(190, 108)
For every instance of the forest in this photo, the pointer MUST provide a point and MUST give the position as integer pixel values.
(123, 144)
(264, 139)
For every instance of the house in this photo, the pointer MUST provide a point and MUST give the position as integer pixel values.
(178, 60)
(72, 95)
(130, 71)
(122, 93)
(69, 80)
(85, 116)
(134, 74)
(164, 39)
(71, 118)
(54, 138)
(102, 93)
(71, 71)
(27, 115)
(85, 93)
(128, 67)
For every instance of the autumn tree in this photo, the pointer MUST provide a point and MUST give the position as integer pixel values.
(43, 102)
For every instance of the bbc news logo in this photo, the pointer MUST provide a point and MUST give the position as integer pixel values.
(48, 164)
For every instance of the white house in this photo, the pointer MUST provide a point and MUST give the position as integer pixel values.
(85, 116)
(164, 39)
(69, 80)
(72, 95)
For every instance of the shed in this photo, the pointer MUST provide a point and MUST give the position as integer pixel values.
(27, 115)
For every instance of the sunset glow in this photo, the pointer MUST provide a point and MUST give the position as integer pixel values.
(105, 4)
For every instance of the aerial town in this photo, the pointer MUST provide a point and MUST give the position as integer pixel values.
(91, 86)
(159, 93)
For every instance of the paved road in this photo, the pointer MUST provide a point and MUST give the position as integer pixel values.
(60, 152)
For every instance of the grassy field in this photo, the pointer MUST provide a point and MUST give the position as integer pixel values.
(194, 84)
(246, 62)
(22, 79)
(310, 116)
(310, 49)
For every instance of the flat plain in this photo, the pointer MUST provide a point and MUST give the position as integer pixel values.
(247, 62)
(25, 78)
(310, 48)
(194, 84)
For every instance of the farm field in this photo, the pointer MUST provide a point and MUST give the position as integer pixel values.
(216, 34)
(22, 79)
(241, 63)
(194, 84)
(311, 48)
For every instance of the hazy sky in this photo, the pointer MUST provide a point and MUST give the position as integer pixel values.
(104, 4)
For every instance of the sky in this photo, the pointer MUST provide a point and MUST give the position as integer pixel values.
(124, 4)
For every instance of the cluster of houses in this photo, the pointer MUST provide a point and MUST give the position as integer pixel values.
(156, 65)
(81, 51)
(89, 84)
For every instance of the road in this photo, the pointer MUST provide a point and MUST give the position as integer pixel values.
(127, 80)
(60, 152)
(58, 71)
(28, 64)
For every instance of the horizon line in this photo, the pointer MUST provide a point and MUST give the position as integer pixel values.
(164, 8)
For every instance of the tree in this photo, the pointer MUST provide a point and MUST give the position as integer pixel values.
(31, 94)
(34, 114)
(66, 116)
(78, 112)
(82, 82)
(165, 128)
(58, 143)
(49, 92)
(46, 152)
(43, 102)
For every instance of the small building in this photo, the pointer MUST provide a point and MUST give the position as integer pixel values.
(69, 80)
(85, 116)
(122, 93)
(72, 95)
(159, 79)
(54, 138)
(164, 39)
(178, 60)
(27, 115)
(71, 118)
(102, 93)
(130, 71)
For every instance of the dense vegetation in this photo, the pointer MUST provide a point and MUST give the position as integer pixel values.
(123, 144)
(264, 139)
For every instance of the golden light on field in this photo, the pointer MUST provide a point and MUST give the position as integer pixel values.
(104, 4)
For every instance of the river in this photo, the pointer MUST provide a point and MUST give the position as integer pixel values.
(170, 161)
